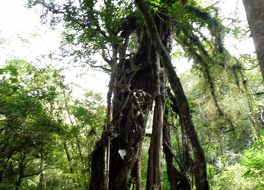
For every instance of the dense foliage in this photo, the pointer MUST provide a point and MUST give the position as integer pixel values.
(45, 133)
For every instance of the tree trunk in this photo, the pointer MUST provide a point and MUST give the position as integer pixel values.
(68, 156)
(133, 92)
(186, 160)
(132, 102)
(177, 180)
(41, 175)
(255, 15)
(1, 175)
(182, 103)
(21, 171)
(18, 183)
(200, 174)
(154, 161)
(136, 173)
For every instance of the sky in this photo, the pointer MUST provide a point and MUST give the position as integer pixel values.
(23, 36)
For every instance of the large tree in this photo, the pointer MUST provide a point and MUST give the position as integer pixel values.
(255, 15)
(135, 40)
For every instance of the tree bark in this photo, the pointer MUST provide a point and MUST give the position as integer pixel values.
(182, 103)
(132, 101)
(186, 160)
(255, 16)
(136, 173)
(133, 92)
(154, 161)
